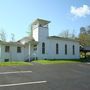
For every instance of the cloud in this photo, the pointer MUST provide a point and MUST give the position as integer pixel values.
(80, 11)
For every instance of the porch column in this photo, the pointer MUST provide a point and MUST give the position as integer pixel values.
(29, 51)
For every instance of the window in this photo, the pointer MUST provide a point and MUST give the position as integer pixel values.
(18, 49)
(57, 51)
(73, 48)
(43, 48)
(6, 60)
(7, 48)
(35, 47)
(65, 49)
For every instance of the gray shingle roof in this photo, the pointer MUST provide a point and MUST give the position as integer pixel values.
(29, 38)
(62, 38)
(11, 43)
(85, 48)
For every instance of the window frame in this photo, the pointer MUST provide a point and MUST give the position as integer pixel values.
(19, 50)
(73, 48)
(7, 49)
(57, 48)
(43, 48)
(34, 47)
(65, 49)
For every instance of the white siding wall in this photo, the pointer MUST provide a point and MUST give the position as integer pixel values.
(0, 54)
(12, 55)
(61, 55)
(26, 52)
(40, 34)
(51, 50)
(42, 37)
(35, 34)
(43, 33)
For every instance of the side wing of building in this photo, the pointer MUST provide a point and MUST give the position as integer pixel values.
(58, 49)
(11, 52)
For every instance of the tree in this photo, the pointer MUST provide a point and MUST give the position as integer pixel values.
(84, 36)
(12, 37)
(64, 34)
(67, 34)
(29, 32)
(3, 35)
(73, 34)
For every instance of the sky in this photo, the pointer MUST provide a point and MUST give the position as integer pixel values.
(17, 15)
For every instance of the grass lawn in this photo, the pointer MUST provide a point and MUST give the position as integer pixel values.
(56, 61)
(14, 63)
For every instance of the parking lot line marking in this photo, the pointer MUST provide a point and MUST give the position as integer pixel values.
(18, 84)
(15, 72)
(87, 63)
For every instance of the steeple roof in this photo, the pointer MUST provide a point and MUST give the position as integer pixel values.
(40, 21)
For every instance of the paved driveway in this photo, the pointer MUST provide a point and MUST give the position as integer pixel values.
(46, 77)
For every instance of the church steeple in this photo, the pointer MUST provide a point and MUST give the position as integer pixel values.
(40, 29)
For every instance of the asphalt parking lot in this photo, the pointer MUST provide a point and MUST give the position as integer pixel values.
(74, 76)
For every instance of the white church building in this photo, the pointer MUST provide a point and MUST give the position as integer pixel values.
(39, 45)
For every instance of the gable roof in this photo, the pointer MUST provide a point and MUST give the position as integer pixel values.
(62, 38)
(27, 39)
(11, 43)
